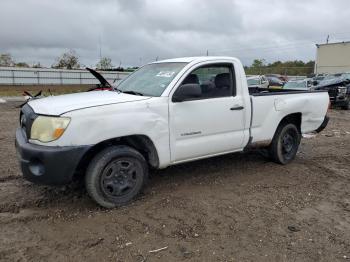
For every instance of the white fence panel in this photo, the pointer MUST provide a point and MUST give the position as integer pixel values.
(40, 76)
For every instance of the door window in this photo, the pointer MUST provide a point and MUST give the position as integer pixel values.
(214, 81)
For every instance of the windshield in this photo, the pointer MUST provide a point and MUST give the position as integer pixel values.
(253, 81)
(152, 79)
(346, 75)
(295, 85)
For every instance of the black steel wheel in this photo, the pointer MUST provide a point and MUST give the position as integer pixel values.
(115, 176)
(120, 176)
(285, 143)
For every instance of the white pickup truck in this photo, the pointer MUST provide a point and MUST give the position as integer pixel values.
(165, 113)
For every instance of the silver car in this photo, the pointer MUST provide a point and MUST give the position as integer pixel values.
(259, 81)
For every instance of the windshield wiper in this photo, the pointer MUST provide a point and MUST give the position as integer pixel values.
(132, 93)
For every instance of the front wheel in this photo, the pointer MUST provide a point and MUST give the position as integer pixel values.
(285, 143)
(116, 176)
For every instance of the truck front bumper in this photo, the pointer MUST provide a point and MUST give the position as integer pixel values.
(50, 165)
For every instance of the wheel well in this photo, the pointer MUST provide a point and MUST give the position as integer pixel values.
(141, 143)
(294, 118)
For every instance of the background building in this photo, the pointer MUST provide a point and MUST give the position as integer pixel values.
(333, 58)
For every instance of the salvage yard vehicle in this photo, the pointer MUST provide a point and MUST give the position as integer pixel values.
(338, 88)
(275, 82)
(283, 78)
(166, 113)
(258, 81)
(305, 84)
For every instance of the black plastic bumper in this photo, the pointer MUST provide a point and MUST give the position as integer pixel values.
(50, 165)
(323, 125)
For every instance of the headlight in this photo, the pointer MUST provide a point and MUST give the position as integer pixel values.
(342, 90)
(47, 128)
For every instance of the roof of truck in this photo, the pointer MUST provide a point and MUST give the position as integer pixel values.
(195, 59)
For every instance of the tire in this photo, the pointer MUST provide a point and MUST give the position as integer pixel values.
(285, 143)
(115, 176)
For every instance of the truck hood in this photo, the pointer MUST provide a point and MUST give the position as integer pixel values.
(58, 105)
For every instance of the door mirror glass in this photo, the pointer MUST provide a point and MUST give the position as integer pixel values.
(187, 92)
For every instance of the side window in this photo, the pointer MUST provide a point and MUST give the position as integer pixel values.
(214, 80)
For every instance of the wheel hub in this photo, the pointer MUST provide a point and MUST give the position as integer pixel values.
(119, 177)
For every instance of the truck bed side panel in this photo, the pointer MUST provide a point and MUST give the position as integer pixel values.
(268, 111)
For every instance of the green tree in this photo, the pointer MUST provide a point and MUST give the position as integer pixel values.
(6, 60)
(22, 64)
(68, 60)
(258, 63)
(296, 67)
(105, 63)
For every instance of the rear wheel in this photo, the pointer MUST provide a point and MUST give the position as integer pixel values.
(285, 143)
(116, 176)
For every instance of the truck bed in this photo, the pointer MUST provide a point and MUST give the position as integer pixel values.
(272, 91)
(269, 107)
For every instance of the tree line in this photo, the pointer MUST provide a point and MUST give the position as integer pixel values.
(70, 60)
(296, 67)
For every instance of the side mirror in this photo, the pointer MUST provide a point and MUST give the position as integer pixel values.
(314, 83)
(187, 92)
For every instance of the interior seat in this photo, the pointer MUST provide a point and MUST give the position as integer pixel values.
(191, 79)
(222, 85)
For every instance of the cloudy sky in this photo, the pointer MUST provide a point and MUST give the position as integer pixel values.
(134, 32)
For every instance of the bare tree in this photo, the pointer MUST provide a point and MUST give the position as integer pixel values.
(105, 63)
(6, 60)
(68, 60)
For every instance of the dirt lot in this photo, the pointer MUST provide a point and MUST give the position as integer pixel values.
(238, 207)
(17, 90)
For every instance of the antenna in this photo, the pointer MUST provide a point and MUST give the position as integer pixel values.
(99, 42)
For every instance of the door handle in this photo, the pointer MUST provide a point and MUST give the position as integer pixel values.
(237, 108)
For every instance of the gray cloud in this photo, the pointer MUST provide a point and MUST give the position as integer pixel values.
(136, 32)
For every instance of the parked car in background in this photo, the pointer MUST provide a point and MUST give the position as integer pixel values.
(319, 77)
(343, 75)
(305, 84)
(259, 81)
(280, 77)
(275, 82)
(338, 88)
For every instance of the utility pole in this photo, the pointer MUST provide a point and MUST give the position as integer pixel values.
(327, 39)
(99, 42)
(207, 52)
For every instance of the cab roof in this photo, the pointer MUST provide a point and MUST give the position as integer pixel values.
(195, 59)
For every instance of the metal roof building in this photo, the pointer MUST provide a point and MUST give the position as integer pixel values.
(333, 58)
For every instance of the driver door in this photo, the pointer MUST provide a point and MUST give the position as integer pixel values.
(212, 123)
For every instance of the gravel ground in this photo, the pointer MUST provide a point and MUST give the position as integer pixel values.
(238, 207)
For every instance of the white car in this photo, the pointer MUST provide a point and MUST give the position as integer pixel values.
(259, 81)
(305, 84)
(166, 113)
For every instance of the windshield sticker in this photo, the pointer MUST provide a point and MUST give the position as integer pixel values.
(165, 74)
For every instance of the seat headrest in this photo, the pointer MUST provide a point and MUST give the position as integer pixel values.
(223, 80)
(191, 79)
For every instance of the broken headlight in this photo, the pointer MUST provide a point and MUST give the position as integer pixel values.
(342, 90)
